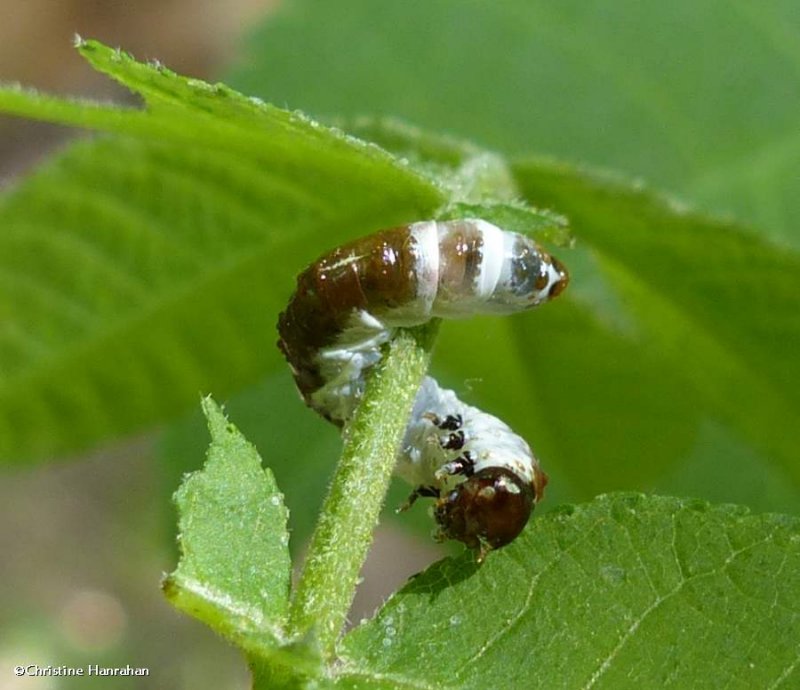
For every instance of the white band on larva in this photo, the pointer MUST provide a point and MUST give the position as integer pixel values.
(347, 306)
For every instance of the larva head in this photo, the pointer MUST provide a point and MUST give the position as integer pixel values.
(529, 277)
(487, 510)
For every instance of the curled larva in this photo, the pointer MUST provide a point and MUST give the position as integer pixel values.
(484, 477)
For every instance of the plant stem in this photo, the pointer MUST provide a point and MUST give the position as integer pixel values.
(350, 513)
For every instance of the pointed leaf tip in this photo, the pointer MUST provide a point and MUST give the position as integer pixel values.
(234, 569)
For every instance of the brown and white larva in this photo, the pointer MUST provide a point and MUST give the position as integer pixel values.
(347, 304)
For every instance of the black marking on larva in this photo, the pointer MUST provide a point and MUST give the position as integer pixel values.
(463, 466)
(454, 441)
(468, 464)
(450, 423)
(381, 282)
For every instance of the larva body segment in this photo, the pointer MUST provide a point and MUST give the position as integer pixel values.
(347, 305)
(370, 275)
(347, 302)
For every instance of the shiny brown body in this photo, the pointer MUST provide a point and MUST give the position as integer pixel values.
(375, 274)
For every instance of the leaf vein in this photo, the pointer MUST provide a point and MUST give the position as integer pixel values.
(522, 610)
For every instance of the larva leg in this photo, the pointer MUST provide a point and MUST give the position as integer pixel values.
(420, 491)
(463, 465)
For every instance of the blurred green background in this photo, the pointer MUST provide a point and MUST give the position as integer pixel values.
(698, 99)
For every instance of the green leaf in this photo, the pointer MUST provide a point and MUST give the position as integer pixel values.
(628, 591)
(234, 572)
(170, 251)
(213, 116)
(302, 450)
(698, 98)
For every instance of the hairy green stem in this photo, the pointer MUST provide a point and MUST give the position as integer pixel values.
(356, 495)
